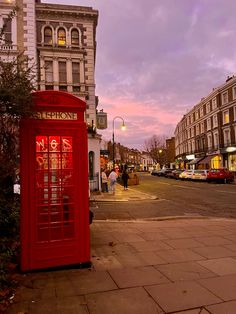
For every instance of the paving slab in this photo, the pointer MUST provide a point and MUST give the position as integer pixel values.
(183, 243)
(179, 255)
(92, 281)
(223, 308)
(211, 252)
(181, 296)
(124, 301)
(150, 246)
(211, 241)
(195, 311)
(224, 287)
(220, 266)
(184, 271)
(140, 276)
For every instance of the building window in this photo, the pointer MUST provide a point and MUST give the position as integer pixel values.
(216, 140)
(49, 87)
(226, 137)
(234, 92)
(225, 98)
(76, 72)
(91, 158)
(208, 108)
(48, 72)
(7, 24)
(225, 116)
(201, 111)
(197, 129)
(74, 37)
(63, 88)
(208, 124)
(196, 115)
(202, 127)
(214, 103)
(61, 36)
(62, 72)
(209, 140)
(215, 121)
(192, 131)
(48, 35)
(234, 113)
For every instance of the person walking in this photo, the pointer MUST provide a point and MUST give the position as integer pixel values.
(125, 177)
(104, 181)
(112, 178)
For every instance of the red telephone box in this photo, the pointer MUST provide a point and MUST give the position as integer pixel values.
(54, 183)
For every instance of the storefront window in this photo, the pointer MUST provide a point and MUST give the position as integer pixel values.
(232, 162)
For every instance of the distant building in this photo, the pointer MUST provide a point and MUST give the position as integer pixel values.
(206, 136)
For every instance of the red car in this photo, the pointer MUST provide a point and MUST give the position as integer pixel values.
(220, 175)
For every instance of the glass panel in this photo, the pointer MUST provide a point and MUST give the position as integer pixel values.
(61, 37)
(41, 143)
(67, 144)
(56, 232)
(48, 35)
(75, 37)
(43, 233)
(54, 143)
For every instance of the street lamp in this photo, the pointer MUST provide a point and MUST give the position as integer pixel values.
(113, 136)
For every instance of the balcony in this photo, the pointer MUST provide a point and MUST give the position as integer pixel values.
(8, 48)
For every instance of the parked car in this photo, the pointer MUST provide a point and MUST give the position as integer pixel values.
(167, 172)
(200, 175)
(154, 172)
(186, 175)
(177, 172)
(170, 174)
(220, 175)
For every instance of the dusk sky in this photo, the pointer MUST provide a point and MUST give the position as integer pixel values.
(157, 58)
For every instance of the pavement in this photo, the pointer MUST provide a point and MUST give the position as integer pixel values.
(121, 195)
(184, 266)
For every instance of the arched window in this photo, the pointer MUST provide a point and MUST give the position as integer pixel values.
(74, 37)
(61, 36)
(48, 35)
(91, 165)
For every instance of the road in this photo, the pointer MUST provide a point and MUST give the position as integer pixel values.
(174, 198)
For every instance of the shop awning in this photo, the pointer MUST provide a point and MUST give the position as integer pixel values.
(195, 161)
(205, 160)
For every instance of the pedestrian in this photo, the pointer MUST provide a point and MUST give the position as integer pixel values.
(112, 178)
(104, 181)
(125, 177)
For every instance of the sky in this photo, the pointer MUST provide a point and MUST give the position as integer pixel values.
(156, 59)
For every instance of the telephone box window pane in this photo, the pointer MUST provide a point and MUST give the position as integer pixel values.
(67, 162)
(54, 162)
(41, 143)
(56, 232)
(69, 230)
(43, 233)
(67, 144)
(54, 143)
(41, 161)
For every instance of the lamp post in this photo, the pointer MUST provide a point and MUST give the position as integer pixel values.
(113, 135)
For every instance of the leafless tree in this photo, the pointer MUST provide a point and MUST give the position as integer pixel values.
(155, 146)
